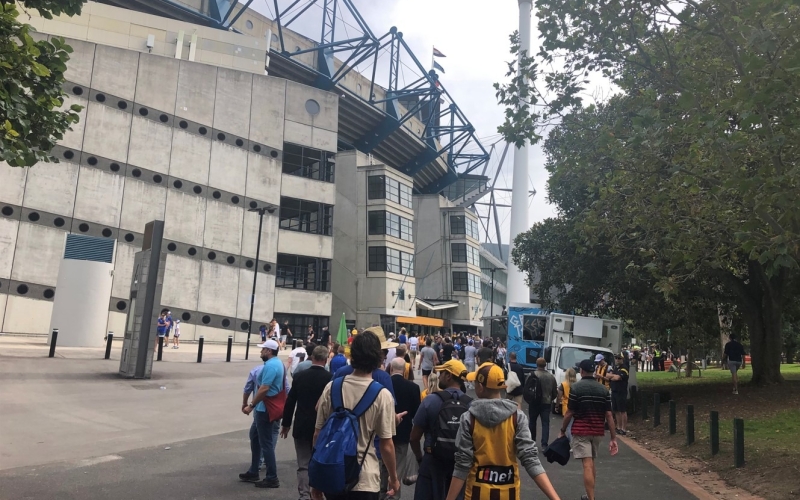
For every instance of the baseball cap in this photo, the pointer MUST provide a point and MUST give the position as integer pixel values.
(489, 375)
(270, 344)
(453, 366)
(586, 365)
(599, 358)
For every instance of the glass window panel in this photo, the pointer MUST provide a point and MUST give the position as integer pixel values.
(376, 187)
(457, 224)
(460, 281)
(308, 162)
(458, 252)
(377, 222)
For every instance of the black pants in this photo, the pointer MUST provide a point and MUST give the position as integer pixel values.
(356, 495)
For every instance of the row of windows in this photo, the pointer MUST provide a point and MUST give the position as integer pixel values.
(380, 187)
(461, 252)
(308, 162)
(461, 224)
(306, 216)
(486, 292)
(390, 224)
(391, 260)
(466, 282)
(303, 273)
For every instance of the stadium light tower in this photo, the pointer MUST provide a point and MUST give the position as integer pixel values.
(517, 289)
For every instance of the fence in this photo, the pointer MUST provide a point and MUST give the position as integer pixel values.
(650, 402)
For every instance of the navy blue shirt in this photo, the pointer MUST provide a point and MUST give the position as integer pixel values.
(428, 413)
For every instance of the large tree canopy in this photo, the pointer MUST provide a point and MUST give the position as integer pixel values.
(32, 118)
(688, 178)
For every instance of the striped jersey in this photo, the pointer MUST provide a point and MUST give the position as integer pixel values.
(589, 401)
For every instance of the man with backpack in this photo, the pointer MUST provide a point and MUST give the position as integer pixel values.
(438, 419)
(492, 436)
(352, 410)
(540, 391)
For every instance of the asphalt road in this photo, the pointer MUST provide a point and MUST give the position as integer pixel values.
(71, 429)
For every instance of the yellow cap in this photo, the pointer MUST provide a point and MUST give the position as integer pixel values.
(453, 366)
(489, 375)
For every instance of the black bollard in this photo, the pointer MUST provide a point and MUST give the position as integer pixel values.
(689, 425)
(634, 400)
(644, 405)
(109, 339)
(160, 348)
(672, 418)
(200, 350)
(656, 409)
(53, 340)
(738, 442)
(230, 346)
(714, 432)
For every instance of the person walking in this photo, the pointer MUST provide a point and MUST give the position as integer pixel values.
(338, 361)
(589, 409)
(297, 356)
(427, 360)
(271, 391)
(162, 324)
(378, 420)
(413, 347)
(263, 331)
(286, 335)
(618, 378)
(492, 437)
(516, 394)
(407, 396)
(176, 335)
(436, 464)
(734, 355)
(601, 371)
(563, 391)
(301, 404)
(541, 411)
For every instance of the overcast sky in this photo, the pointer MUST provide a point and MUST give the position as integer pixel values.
(474, 36)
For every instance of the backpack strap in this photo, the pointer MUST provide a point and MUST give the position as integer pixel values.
(369, 397)
(441, 394)
(337, 402)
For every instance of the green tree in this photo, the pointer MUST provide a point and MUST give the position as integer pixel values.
(32, 118)
(693, 166)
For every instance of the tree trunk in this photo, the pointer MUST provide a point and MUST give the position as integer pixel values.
(725, 325)
(689, 363)
(766, 342)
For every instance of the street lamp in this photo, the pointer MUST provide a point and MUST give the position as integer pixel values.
(260, 211)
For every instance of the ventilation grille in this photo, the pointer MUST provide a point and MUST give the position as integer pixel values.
(81, 247)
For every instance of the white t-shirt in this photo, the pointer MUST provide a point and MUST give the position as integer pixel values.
(297, 355)
(390, 356)
(413, 342)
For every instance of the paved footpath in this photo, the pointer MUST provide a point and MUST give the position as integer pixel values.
(71, 429)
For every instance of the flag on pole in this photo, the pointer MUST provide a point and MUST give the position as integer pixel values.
(341, 337)
(438, 66)
(438, 53)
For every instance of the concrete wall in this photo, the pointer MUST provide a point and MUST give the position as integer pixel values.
(193, 144)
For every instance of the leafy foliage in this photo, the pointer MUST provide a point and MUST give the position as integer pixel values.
(689, 175)
(32, 118)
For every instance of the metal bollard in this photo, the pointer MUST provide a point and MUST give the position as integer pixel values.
(656, 409)
(689, 425)
(644, 405)
(200, 350)
(160, 348)
(109, 339)
(738, 442)
(53, 340)
(230, 346)
(714, 432)
(672, 417)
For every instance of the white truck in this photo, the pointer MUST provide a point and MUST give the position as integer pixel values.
(563, 340)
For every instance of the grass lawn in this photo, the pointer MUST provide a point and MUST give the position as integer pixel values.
(712, 375)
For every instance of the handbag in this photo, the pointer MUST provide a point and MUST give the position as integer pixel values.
(275, 404)
(512, 381)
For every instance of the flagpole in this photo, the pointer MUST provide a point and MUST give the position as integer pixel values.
(433, 56)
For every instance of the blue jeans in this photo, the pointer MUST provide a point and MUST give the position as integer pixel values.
(263, 440)
(543, 412)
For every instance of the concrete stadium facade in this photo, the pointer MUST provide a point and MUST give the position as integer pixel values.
(191, 131)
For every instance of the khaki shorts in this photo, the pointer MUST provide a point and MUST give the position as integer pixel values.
(585, 446)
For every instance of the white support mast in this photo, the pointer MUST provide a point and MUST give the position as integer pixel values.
(517, 288)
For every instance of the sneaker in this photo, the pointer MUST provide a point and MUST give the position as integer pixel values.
(268, 483)
(736, 391)
(248, 477)
(584, 497)
(622, 432)
(409, 480)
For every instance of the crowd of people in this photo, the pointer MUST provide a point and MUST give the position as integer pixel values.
(363, 396)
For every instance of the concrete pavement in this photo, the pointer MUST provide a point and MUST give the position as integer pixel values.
(71, 429)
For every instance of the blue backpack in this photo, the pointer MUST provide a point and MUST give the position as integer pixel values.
(334, 467)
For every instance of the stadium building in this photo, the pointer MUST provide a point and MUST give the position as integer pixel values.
(206, 115)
